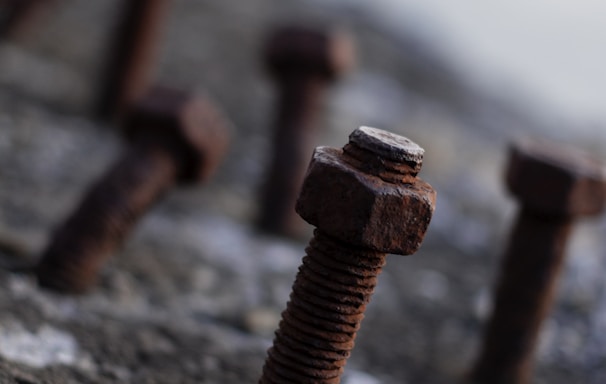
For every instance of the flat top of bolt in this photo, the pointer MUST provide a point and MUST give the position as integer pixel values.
(388, 145)
(566, 158)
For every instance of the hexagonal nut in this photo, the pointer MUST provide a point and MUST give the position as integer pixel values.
(364, 210)
(556, 180)
(190, 127)
(299, 50)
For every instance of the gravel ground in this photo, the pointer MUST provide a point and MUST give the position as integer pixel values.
(196, 293)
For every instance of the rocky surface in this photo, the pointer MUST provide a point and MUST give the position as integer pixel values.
(196, 292)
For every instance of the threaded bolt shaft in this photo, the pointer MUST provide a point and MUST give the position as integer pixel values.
(332, 288)
(355, 212)
(176, 139)
(105, 216)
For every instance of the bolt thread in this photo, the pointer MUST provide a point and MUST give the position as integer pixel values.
(373, 164)
(104, 217)
(318, 328)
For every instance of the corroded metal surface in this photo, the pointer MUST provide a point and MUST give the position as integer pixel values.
(302, 61)
(130, 57)
(175, 138)
(345, 257)
(363, 209)
(556, 180)
(105, 216)
(554, 185)
(308, 51)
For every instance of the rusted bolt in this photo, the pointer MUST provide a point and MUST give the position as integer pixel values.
(130, 59)
(366, 201)
(175, 139)
(554, 185)
(303, 61)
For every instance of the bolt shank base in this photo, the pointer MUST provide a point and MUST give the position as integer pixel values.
(83, 243)
(523, 298)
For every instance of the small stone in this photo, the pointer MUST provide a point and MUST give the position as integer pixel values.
(47, 346)
(262, 321)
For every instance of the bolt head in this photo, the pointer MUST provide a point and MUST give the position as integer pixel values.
(362, 209)
(556, 180)
(307, 51)
(190, 127)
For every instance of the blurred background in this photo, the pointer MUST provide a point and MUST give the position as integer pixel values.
(196, 292)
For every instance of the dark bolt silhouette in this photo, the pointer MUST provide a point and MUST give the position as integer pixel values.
(131, 56)
(554, 185)
(303, 61)
(175, 139)
(365, 201)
